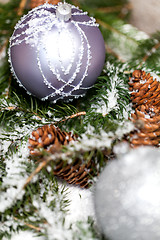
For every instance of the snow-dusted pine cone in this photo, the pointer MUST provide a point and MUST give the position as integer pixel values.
(76, 173)
(147, 121)
(51, 139)
(144, 89)
(36, 3)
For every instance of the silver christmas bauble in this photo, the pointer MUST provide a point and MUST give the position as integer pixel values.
(127, 197)
(56, 52)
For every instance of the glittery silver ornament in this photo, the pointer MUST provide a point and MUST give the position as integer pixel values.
(127, 197)
(56, 52)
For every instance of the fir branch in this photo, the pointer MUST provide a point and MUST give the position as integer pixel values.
(8, 19)
(112, 96)
(112, 52)
(19, 109)
(122, 38)
(102, 3)
(72, 116)
(36, 171)
(148, 54)
(5, 79)
(145, 58)
(118, 8)
(38, 229)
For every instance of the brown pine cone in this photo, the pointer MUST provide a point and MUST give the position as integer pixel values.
(76, 173)
(147, 121)
(36, 3)
(144, 89)
(51, 139)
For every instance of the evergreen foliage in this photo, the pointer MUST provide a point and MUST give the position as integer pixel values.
(41, 203)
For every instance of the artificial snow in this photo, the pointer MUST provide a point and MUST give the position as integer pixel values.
(27, 235)
(140, 35)
(109, 101)
(124, 40)
(155, 76)
(91, 140)
(15, 178)
(80, 206)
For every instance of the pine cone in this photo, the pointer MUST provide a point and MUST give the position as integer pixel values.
(36, 3)
(147, 121)
(51, 139)
(144, 89)
(77, 173)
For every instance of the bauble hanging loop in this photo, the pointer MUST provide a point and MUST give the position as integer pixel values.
(56, 54)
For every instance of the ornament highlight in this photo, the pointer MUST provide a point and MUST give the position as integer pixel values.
(56, 52)
(127, 197)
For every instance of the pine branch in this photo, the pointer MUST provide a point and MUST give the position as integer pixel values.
(72, 116)
(36, 171)
(117, 8)
(147, 54)
(112, 95)
(38, 229)
(154, 48)
(115, 30)
(102, 3)
(123, 39)
(113, 53)
(15, 108)
(8, 19)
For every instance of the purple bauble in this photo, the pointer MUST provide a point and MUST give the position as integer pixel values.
(56, 52)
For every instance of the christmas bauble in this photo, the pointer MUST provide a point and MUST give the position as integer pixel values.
(127, 197)
(56, 52)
